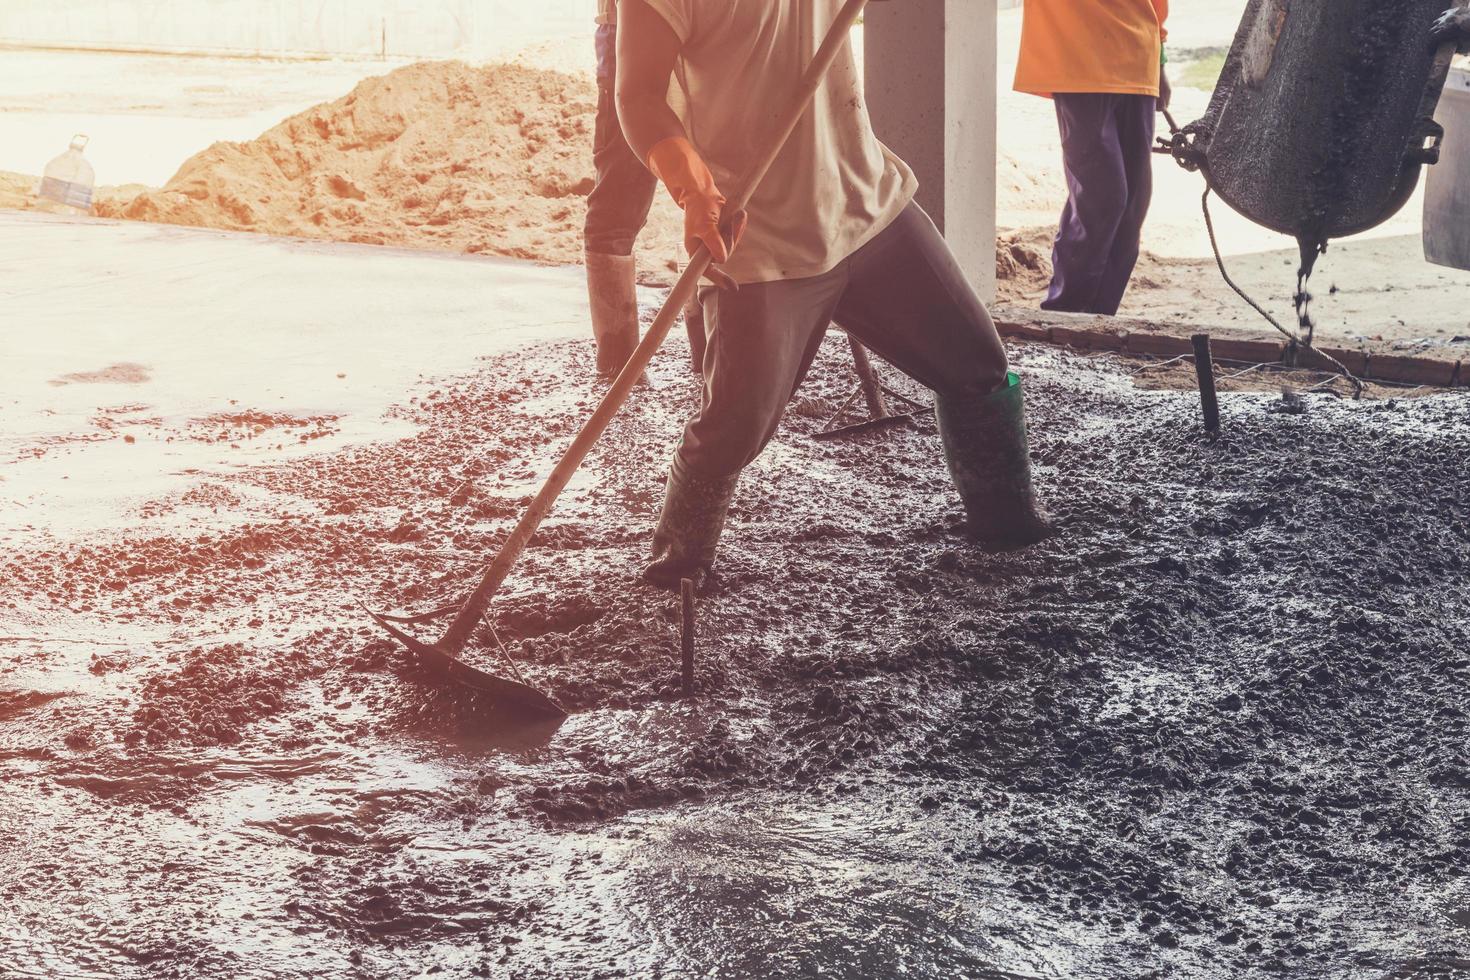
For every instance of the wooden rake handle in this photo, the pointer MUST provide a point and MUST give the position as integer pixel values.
(469, 614)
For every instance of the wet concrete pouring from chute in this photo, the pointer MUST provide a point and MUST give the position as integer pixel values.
(1216, 728)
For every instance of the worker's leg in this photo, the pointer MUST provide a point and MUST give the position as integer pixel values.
(908, 300)
(694, 326)
(1097, 186)
(762, 339)
(616, 211)
(1135, 122)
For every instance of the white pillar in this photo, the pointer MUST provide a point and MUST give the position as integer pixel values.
(930, 81)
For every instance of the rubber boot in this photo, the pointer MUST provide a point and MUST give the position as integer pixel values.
(688, 532)
(985, 444)
(613, 295)
(694, 325)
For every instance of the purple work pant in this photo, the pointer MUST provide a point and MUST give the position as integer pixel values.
(1107, 143)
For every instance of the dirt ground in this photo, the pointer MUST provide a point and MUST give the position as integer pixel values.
(1217, 728)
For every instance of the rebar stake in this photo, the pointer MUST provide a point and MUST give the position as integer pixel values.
(686, 593)
(868, 380)
(1204, 369)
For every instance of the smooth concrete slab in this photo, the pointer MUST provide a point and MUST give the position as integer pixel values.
(123, 345)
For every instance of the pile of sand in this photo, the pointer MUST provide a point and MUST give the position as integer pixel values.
(15, 189)
(1022, 264)
(441, 155)
(18, 192)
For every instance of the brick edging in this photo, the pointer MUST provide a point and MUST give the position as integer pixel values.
(1140, 337)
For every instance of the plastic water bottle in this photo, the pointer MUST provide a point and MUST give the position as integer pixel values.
(68, 180)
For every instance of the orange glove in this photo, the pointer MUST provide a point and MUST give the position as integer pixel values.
(675, 162)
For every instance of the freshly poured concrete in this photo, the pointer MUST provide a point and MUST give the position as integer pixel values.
(1213, 729)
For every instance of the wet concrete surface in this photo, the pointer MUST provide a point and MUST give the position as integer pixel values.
(1217, 728)
(135, 358)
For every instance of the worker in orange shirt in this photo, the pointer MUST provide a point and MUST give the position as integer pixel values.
(1102, 63)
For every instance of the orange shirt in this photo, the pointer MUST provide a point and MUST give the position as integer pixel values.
(1091, 46)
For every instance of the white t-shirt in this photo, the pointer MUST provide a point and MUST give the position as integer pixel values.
(834, 186)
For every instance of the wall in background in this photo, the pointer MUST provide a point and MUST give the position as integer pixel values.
(286, 28)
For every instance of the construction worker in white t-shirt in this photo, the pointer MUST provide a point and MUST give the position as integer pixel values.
(617, 209)
(832, 232)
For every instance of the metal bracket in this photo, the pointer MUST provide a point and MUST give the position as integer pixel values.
(1186, 145)
(1425, 142)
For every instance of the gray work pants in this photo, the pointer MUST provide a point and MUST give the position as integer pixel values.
(902, 295)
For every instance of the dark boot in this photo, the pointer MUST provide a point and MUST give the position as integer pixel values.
(694, 325)
(612, 291)
(688, 531)
(985, 445)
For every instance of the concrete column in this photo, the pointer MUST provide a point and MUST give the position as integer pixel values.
(930, 83)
